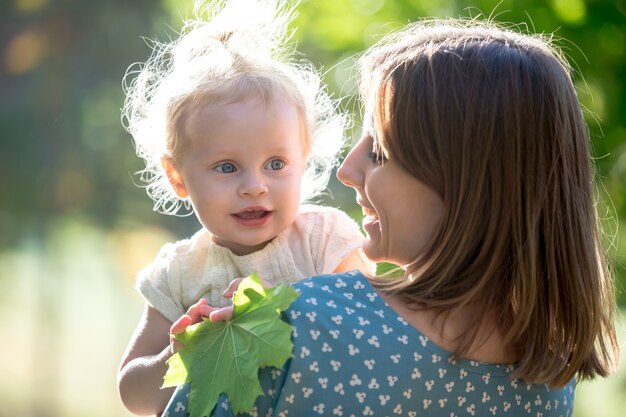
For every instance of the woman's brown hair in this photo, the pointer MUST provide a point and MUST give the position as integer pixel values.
(489, 118)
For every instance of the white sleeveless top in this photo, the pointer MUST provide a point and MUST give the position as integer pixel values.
(194, 268)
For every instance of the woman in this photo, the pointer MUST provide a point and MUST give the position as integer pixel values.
(474, 174)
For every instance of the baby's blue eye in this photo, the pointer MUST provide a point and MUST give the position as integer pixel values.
(275, 164)
(226, 168)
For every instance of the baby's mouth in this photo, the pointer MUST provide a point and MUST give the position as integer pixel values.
(251, 214)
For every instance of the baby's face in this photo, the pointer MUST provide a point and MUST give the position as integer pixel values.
(242, 170)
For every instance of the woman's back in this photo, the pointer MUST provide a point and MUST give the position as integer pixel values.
(351, 361)
(353, 355)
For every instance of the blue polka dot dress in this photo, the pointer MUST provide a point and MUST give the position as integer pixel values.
(354, 356)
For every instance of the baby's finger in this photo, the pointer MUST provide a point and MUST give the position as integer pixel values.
(232, 287)
(221, 314)
(199, 310)
(180, 325)
(175, 345)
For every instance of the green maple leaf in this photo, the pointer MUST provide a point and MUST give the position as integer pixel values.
(225, 357)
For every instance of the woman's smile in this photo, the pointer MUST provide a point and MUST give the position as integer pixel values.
(400, 213)
(371, 222)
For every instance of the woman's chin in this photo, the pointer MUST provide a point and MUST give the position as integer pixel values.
(372, 252)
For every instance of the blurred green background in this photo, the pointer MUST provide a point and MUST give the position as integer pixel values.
(75, 228)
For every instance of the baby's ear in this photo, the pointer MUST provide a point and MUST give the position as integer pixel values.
(174, 176)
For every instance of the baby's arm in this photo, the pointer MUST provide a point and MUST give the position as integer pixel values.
(144, 364)
(357, 260)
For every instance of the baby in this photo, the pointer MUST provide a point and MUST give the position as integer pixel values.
(228, 123)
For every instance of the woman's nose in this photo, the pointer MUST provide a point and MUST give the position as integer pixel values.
(252, 185)
(350, 173)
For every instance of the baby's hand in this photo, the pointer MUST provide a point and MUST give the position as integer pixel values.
(194, 315)
(234, 285)
(203, 309)
(226, 313)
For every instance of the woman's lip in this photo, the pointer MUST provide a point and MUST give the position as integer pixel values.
(370, 220)
(370, 225)
(364, 206)
(368, 212)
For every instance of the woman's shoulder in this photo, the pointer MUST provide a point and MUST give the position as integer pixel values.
(347, 293)
(338, 280)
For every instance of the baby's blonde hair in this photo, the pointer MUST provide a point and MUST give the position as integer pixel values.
(238, 51)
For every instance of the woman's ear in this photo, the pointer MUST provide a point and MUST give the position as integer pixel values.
(174, 176)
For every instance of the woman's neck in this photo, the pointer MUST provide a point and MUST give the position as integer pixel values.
(444, 330)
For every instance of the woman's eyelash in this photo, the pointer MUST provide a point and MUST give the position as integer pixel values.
(376, 157)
